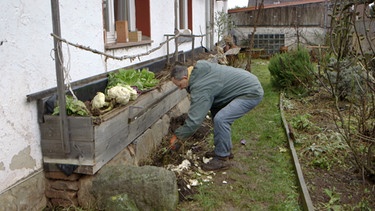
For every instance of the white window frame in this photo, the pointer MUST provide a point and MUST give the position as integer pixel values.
(110, 31)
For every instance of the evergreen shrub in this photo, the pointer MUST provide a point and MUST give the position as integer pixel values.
(292, 71)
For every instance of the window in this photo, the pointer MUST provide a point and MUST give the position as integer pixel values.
(270, 43)
(125, 10)
(184, 14)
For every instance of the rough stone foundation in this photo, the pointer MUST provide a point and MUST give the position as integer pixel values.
(25, 195)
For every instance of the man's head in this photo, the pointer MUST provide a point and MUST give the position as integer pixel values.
(179, 76)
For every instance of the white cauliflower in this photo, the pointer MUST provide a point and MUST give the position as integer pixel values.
(120, 94)
(133, 92)
(99, 101)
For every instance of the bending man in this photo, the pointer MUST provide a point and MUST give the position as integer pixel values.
(228, 92)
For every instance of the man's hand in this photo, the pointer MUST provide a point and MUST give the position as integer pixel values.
(172, 142)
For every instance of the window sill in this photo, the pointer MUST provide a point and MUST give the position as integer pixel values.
(112, 46)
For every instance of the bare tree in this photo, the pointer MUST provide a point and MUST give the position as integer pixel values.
(351, 81)
(259, 9)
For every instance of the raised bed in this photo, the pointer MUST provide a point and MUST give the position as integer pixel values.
(95, 140)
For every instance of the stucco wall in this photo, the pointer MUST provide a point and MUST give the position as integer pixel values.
(28, 66)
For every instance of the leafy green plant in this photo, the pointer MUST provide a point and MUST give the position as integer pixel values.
(301, 122)
(223, 23)
(73, 107)
(291, 71)
(142, 79)
(334, 200)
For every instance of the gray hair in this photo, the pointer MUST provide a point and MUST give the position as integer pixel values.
(178, 72)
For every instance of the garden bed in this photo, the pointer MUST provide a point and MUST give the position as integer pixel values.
(332, 177)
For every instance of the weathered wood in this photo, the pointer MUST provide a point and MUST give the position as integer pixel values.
(306, 199)
(148, 100)
(303, 15)
(141, 123)
(59, 61)
(111, 137)
(79, 150)
(93, 143)
(81, 128)
(49, 165)
(67, 161)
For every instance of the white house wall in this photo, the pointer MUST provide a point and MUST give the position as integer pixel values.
(28, 66)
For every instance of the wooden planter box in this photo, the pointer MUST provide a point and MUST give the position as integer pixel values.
(96, 140)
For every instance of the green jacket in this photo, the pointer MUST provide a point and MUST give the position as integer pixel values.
(213, 86)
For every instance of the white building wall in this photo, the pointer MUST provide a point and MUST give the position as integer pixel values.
(27, 65)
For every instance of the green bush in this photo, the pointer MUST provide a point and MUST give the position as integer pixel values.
(292, 71)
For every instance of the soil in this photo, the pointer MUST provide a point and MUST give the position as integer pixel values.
(330, 168)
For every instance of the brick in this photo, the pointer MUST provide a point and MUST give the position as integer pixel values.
(64, 202)
(61, 176)
(63, 185)
(59, 194)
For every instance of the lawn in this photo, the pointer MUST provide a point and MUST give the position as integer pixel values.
(262, 175)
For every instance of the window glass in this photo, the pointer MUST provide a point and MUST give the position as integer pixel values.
(117, 10)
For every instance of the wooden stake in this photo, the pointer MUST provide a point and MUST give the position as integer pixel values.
(64, 125)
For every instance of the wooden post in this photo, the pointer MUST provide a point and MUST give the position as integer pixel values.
(176, 27)
(167, 49)
(192, 49)
(64, 127)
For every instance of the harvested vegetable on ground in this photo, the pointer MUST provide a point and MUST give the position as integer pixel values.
(122, 93)
(98, 101)
(142, 79)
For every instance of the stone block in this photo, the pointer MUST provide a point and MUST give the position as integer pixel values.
(144, 145)
(150, 187)
(27, 195)
(60, 194)
(157, 132)
(181, 108)
(85, 199)
(61, 176)
(166, 122)
(126, 156)
(62, 185)
(64, 202)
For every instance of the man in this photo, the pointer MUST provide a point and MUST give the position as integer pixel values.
(228, 92)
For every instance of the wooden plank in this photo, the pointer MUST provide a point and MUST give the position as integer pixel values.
(307, 202)
(81, 169)
(149, 99)
(82, 150)
(149, 117)
(72, 161)
(92, 146)
(121, 140)
(111, 133)
(111, 137)
(80, 128)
